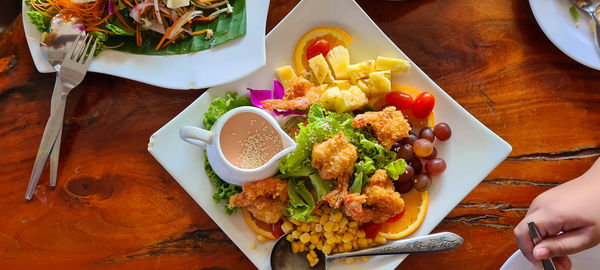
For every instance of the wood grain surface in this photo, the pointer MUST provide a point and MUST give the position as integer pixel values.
(116, 207)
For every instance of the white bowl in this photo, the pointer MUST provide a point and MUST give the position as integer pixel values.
(471, 154)
(585, 260)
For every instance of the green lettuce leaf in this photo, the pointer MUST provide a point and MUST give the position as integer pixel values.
(221, 105)
(41, 22)
(321, 186)
(395, 168)
(216, 109)
(118, 29)
(301, 202)
(364, 168)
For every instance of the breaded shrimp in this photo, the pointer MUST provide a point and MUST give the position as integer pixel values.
(265, 199)
(334, 157)
(299, 96)
(388, 125)
(378, 202)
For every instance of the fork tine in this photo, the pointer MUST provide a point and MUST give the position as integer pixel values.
(80, 47)
(88, 60)
(84, 52)
(74, 47)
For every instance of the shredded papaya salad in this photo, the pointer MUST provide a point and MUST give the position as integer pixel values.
(148, 26)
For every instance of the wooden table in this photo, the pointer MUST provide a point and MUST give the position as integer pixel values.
(116, 207)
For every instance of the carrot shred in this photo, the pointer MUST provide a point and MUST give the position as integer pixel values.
(167, 33)
(169, 42)
(120, 17)
(199, 32)
(138, 35)
(113, 47)
(128, 3)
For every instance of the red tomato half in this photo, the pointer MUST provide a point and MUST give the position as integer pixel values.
(276, 229)
(320, 46)
(371, 229)
(423, 105)
(399, 100)
(397, 217)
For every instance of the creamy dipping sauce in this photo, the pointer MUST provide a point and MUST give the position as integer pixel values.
(248, 141)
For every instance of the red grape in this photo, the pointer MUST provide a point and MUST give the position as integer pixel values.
(435, 166)
(408, 174)
(423, 148)
(442, 131)
(422, 182)
(427, 133)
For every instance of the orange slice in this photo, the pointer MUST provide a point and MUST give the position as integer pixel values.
(333, 35)
(259, 227)
(415, 204)
(429, 121)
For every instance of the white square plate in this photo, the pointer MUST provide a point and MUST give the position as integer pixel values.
(184, 71)
(471, 154)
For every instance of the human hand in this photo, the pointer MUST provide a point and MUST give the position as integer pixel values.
(572, 208)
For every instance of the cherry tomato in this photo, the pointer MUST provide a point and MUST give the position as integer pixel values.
(423, 105)
(320, 46)
(397, 217)
(399, 100)
(276, 229)
(371, 229)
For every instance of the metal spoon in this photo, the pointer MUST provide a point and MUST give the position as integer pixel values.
(282, 257)
(54, 47)
(590, 7)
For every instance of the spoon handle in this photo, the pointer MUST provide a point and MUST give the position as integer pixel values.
(437, 242)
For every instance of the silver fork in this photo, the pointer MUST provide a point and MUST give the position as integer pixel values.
(72, 72)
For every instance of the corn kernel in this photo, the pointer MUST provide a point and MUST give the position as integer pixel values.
(354, 244)
(295, 247)
(296, 222)
(349, 260)
(301, 247)
(329, 235)
(330, 241)
(364, 258)
(305, 227)
(348, 246)
(309, 257)
(347, 237)
(362, 243)
(361, 234)
(327, 249)
(323, 220)
(336, 227)
(352, 231)
(343, 222)
(338, 239)
(312, 246)
(314, 262)
(369, 241)
(304, 238)
(261, 238)
(314, 238)
(336, 217)
(313, 253)
(253, 246)
(296, 234)
(318, 227)
(353, 224)
(380, 240)
(329, 226)
(287, 226)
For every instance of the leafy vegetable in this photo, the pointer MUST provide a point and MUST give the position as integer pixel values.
(224, 189)
(301, 202)
(395, 168)
(321, 186)
(221, 105)
(117, 29)
(363, 169)
(574, 12)
(41, 22)
(216, 109)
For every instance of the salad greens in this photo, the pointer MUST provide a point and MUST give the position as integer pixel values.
(301, 202)
(216, 109)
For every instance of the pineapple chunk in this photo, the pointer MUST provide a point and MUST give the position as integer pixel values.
(342, 84)
(380, 83)
(351, 99)
(339, 59)
(320, 69)
(330, 98)
(392, 64)
(360, 70)
(365, 86)
(285, 73)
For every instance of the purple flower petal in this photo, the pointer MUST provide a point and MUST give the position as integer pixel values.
(278, 91)
(256, 96)
(111, 7)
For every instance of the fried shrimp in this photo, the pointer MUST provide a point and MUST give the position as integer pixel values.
(299, 96)
(388, 125)
(334, 158)
(378, 203)
(265, 199)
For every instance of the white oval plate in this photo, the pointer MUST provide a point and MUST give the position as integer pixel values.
(224, 63)
(556, 21)
(471, 154)
(585, 260)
